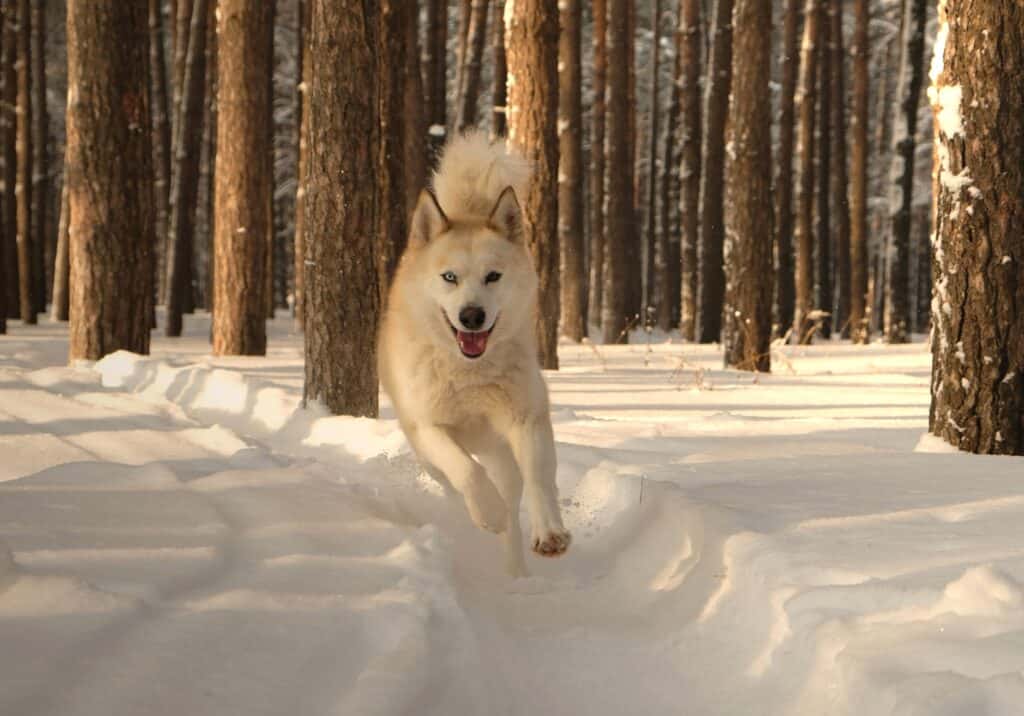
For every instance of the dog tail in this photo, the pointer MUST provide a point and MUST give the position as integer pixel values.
(473, 172)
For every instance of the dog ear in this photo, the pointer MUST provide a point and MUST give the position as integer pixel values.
(507, 217)
(428, 220)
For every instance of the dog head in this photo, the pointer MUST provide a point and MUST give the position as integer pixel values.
(476, 285)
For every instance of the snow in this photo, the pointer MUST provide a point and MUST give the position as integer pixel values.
(179, 536)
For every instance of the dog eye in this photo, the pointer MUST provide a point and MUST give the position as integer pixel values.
(450, 277)
(492, 277)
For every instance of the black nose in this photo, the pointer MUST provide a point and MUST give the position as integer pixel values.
(472, 317)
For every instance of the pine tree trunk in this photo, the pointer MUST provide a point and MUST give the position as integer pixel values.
(461, 53)
(271, 235)
(667, 274)
(531, 44)
(804, 102)
(748, 192)
(597, 168)
(978, 310)
(840, 201)
(897, 314)
(784, 288)
(651, 205)
(9, 200)
(109, 159)
(690, 165)
(185, 178)
(391, 167)
(42, 249)
(342, 302)
(619, 178)
(859, 178)
(823, 195)
(415, 118)
(302, 163)
(712, 275)
(570, 172)
(500, 71)
(243, 176)
(435, 87)
(469, 89)
(204, 239)
(634, 257)
(61, 264)
(161, 136)
(27, 269)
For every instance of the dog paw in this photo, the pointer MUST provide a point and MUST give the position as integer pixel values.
(486, 508)
(551, 542)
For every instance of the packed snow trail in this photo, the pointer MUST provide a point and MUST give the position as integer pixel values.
(178, 536)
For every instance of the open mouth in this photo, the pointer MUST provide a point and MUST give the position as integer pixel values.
(471, 343)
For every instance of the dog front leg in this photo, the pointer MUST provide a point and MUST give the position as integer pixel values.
(435, 446)
(533, 444)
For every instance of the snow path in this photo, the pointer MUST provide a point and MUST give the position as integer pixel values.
(177, 538)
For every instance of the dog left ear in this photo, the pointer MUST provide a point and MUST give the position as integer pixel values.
(507, 216)
(428, 220)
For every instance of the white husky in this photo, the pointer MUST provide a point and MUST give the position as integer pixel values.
(457, 352)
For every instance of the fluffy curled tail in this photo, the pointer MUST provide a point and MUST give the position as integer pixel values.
(473, 172)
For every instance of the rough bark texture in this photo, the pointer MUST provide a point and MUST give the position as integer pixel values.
(415, 154)
(391, 168)
(435, 83)
(161, 134)
(978, 309)
(650, 201)
(748, 193)
(10, 169)
(267, 42)
(27, 268)
(42, 246)
(243, 179)
(302, 165)
(897, 304)
(618, 200)
(667, 273)
(823, 173)
(531, 44)
(597, 154)
(469, 86)
(570, 173)
(188, 135)
(859, 178)
(840, 202)
(709, 258)
(342, 301)
(784, 289)
(690, 163)
(500, 71)
(804, 102)
(62, 259)
(109, 160)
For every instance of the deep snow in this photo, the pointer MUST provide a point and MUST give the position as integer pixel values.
(177, 537)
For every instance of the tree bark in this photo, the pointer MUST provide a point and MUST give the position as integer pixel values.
(61, 264)
(748, 192)
(619, 178)
(531, 44)
(897, 305)
(859, 178)
(109, 159)
(978, 308)
(391, 167)
(784, 288)
(415, 119)
(651, 208)
(243, 176)
(185, 179)
(436, 61)
(341, 286)
(469, 89)
(10, 169)
(804, 101)
(27, 269)
(461, 52)
(42, 248)
(667, 273)
(302, 164)
(499, 93)
(840, 201)
(271, 235)
(161, 135)
(711, 273)
(570, 172)
(823, 195)
(690, 166)
(597, 168)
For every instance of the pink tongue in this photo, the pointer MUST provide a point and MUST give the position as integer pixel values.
(472, 344)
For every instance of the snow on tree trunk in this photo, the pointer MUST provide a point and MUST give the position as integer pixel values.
(109, 172)
(977, 94)
(570, 173)
(531, 45)
(690, 161)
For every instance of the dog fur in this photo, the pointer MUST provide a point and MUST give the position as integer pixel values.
(479, 425)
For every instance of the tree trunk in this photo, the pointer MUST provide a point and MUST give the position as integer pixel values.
(61, 264)
(302, 163)
(532, 46)
(804, 104)
(185, 179)
(341, 289)
(712, 275)
(570, 172)
(271, 235)
(784, 288)
(109, 159)
(634, 256)
(10, 177)
(840, 201)
(859, 178)
(161, 135)
(651, 208)
(500, 71)
(897, 313)
(619, 178)
(461, 51)
(27, 269)
(469, 88)
(597, 168)
(690, 166)
(435, 86)
(243, 176)
(748, 193)
(204, 221)
(667, 269)
(978, 309)
(823, 228)
(391, 167)
(42, 249)
(414, 122)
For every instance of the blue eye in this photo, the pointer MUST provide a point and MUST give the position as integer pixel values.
(450, 277)
(492, 277)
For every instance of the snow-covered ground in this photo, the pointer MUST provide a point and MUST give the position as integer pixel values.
(177, 537)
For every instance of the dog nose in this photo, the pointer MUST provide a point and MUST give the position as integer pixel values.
(472, 317)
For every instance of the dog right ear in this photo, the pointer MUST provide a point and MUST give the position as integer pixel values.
(428, 220)
(507, 217)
